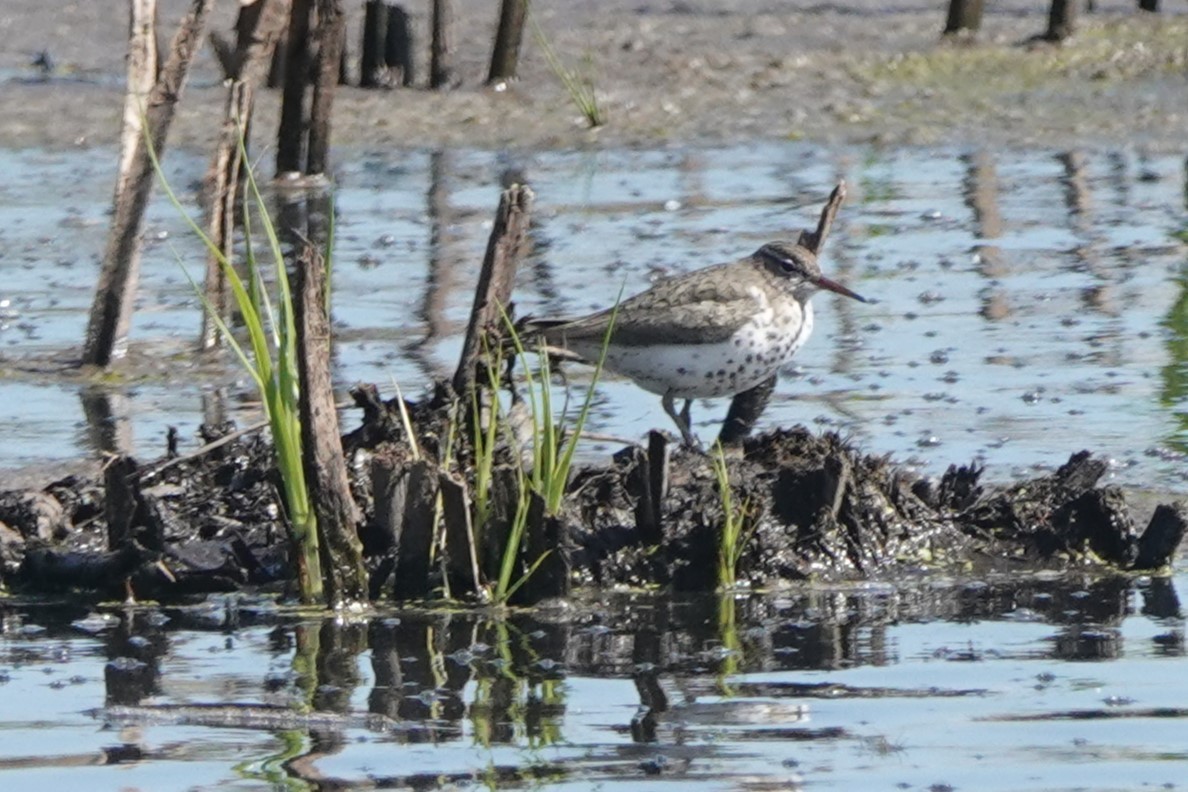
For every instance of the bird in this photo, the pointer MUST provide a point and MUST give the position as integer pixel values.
(709, 333)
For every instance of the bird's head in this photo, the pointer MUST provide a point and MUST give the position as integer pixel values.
(797, 266)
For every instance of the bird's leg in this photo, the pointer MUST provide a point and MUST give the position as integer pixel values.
(681, 419)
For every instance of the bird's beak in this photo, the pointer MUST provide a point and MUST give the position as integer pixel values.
(831, 285)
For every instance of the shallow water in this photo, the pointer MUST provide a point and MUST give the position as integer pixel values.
(1022, 684)
(1030, 302)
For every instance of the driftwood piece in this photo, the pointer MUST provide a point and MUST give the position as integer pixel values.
(815, 240)
(399, 47)
(372, 68)
(321, 442)
(505, 55)
(745, 410)
(142, 74)
(748, 406)
(493, 294)
(389, 492)
(493, 537)
(107, 327)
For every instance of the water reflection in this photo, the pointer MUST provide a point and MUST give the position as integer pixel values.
(1027, 298)
(706, 673)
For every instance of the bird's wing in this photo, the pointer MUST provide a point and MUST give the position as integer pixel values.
(699, 306)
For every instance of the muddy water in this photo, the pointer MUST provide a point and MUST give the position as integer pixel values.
(1026, 684)
(1030, 302)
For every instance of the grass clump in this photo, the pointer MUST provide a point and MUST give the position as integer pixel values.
(272, 363)
(549, 457)
(738, 525)
(579, 85)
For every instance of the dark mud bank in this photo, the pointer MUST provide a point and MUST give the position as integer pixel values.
(813, 507)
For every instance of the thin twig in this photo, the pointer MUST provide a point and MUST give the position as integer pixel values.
(156, 469)
(815, 240)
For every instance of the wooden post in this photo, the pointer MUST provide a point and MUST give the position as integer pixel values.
(417, 532)
(345, 576)
(375, 36)
(111, 312)
(441, 58)
(965, 16)
(1062, 20)
(544, 541)
(331, 27)
(461, 553)
(398, 49)
(291, 138)
(505, 55)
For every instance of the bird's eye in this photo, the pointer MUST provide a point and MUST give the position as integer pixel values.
(787, 263)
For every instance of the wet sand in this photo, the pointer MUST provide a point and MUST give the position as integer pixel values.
(689, 71)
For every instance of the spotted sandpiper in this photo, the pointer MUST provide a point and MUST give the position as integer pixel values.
(713, 332)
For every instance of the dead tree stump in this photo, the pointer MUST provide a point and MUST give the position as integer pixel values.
(965, 17)
(345, 576)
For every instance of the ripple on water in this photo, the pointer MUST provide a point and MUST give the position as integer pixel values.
(1054, 285)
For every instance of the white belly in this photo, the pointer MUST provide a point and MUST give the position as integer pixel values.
(706, 371)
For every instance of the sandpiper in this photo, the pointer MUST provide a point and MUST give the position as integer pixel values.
(713, 332)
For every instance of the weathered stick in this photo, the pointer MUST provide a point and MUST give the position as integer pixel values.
(504, 249)
(259, 29)
(321, 441)
(461, 553)
(111, 312)
(142, 73)
(815, 240)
